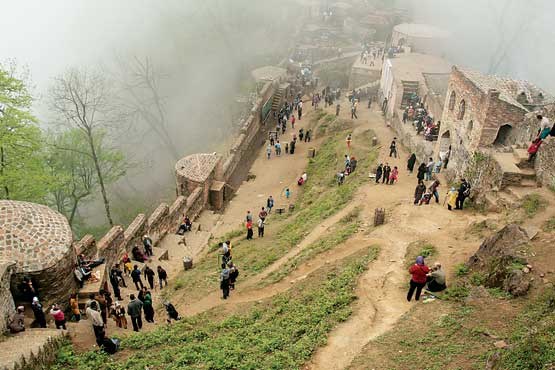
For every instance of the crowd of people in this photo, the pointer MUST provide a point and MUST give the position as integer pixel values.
(419, 117)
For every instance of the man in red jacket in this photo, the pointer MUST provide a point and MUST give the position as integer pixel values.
(418, 273)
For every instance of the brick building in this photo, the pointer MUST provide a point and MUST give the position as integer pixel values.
(486, 112)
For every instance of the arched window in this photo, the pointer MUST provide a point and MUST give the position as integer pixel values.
(462, 110)
(452, 98)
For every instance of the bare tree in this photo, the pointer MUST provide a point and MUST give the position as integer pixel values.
(82, 99)
(140, 82)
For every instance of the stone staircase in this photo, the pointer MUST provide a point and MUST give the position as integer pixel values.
(31, 349)
(517, 171)
(518, 179)
(278, 98)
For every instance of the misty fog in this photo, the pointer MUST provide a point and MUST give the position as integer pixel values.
(200, 52)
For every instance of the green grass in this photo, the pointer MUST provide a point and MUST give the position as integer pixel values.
(345, 228)
(533, 340)
(461, 270)
(533, 203)
(419, 248)
(319, 198)
(279, 333)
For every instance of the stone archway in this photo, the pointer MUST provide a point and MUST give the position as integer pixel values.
(502, 137)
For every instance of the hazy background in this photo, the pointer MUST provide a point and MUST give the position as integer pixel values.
(520, 33)
(202, 50)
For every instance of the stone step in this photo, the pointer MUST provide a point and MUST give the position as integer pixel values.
(521, 158)
(528, 174)
(529, 183)
(24, 345)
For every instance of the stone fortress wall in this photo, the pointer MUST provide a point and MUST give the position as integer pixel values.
(192, 197)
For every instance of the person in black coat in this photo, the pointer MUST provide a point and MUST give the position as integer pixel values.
(421, 171)
(419, 191)
(386, 172)
(411, 162)
(464, 192)
(379, 172)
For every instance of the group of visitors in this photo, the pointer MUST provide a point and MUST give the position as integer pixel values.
(422, 121)
(350, 167)
(230, 272)
(274, 144)
(386, 174)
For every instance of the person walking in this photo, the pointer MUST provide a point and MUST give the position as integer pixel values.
(118, 313)
(337, 109)
(58, 316)
(260, 225)
(74, 306)
(148, 309)
(354, 112)
(429, 169)
(40, 319)
(434, 191)
(93, 313)
(386, 173)
(162, 276)
(224, 282)
(269, 151)
(248, 217)
(249, 230)
(411, 162)
(270, 204)
(292, 121)
(287, 193)
(233, 275)
(421, 171)
(419, 191)
(301, 134)
(393, 177)
(300, 109)
(307, 136)
(348, 140)
(464, 192)
(452, 198)
(379, 172)
(114, 280)
(136, 277)
(149, 276)
(263, 214)
(147, 243)
(134, 310)
(419, 272)
(393, 148)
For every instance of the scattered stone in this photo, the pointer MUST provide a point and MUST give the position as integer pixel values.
(542, 275)
(500, 344)
(526, 270)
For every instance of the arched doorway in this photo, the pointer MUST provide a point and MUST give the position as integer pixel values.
(502, 137)
(445, 141)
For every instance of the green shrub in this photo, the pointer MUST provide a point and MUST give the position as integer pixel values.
(533, 203)
(456, 292)
(477, 278)
(549, 225)
(461, 270)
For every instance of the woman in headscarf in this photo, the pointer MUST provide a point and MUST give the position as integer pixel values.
(411, 162)
(422, 169)
(419, 272)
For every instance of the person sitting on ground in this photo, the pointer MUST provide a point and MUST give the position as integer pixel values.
(436, 279)
(171, 311)
(108, 345)
(90, 264)
(353, 165)
(185, 226)
(17, 321)
(138, 255)
(81, 274)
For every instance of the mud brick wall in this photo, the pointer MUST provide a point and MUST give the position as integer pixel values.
(86, 246)
(157, 222)
(134, 232)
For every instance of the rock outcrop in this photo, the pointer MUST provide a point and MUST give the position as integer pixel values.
(502, 258)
